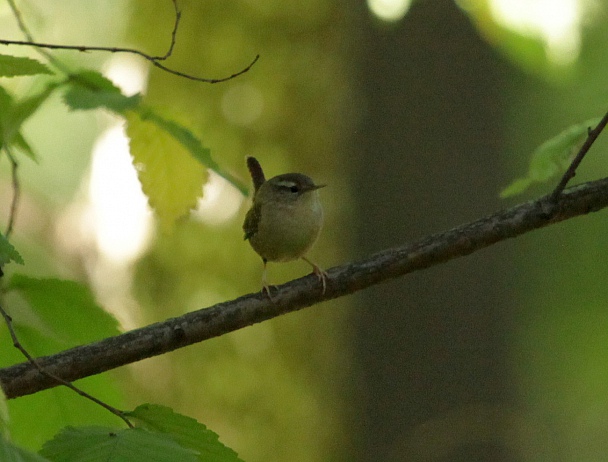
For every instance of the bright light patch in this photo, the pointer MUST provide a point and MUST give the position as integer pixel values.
(118, 209)
(556, 22)
(389, 10)
(220, 201)
(122, 221)
(127, 72)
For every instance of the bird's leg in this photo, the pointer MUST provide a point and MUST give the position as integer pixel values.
(265, 286)
(321, 274)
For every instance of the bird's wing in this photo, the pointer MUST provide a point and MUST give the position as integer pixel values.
(252, 219)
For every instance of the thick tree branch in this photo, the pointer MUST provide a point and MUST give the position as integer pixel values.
(156, 339)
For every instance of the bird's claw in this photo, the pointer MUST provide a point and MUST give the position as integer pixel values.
(266, 290)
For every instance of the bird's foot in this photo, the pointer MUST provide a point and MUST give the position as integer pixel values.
(319, 272)
(266, 290)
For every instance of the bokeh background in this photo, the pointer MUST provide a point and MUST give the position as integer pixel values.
(416, 116)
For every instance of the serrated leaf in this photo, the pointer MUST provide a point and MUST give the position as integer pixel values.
(11, 453)
(192, 143)
(59, 406)
(170, 177)
(66, 310)
(101, 444)
(552, 157)
(188, 432)
(184, 136)
(91, 90)
(23, 109)
(8, 253)
(13, 114)
(23, 146)
(12, 66)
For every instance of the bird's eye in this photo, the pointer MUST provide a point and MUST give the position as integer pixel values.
(288, 186)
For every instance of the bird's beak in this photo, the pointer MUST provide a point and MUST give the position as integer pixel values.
(318, 186)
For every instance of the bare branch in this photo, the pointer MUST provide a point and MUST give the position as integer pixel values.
(155, 60)
(159, 338)
(178, 16)
(569, 174)
(201, 79)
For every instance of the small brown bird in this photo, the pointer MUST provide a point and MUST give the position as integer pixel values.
(285, 218)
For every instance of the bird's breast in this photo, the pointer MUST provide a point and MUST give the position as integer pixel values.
(287, 231)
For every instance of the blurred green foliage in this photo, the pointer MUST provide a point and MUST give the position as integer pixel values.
(270, 384)
(561, 298)
(552, 157)
(279, 390)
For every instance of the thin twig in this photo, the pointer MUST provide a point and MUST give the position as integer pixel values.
(9, 324)
(26, 32)
(17, 14)
(16, 192)
(83, 48)
(155, 60)
(201, 79)
(178, 16)
(571, 172)
(160, 338)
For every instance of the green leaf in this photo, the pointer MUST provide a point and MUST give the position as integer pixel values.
(65, 310)
(518, 186)
(101, 444)
(185, 430)
(91, 90)
(189, 141)
(60, 406)
(11, 66)
(11, 453)
(552, 157)
(22, 145)
(6, 106)
(3, 414)
(184, 136)
(23, 109)
(13, 114)
(170, 177)
(6, 101)
(43, 332)
(8, 253)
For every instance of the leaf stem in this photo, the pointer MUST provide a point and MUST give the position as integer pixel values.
(16, 192)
